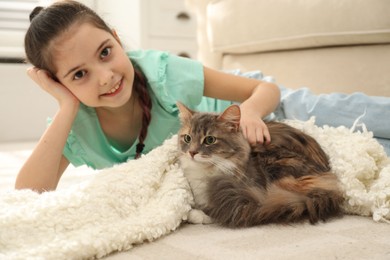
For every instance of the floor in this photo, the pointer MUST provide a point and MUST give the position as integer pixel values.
(12, 157)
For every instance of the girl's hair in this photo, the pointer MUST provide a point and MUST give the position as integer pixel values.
(50, 22)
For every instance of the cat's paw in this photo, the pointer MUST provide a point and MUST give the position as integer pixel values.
(197, 216)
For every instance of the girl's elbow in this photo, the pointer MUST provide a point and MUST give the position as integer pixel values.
(274, 91)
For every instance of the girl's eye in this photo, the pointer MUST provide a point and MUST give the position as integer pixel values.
(209, 140)
(105, 52)
(187, 138)
(79, 74)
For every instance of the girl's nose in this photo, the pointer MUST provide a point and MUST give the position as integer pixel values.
(105, 77)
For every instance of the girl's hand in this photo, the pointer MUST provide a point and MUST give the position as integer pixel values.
(254, 128)
(54, 88)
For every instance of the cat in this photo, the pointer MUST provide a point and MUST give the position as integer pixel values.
(236, 185)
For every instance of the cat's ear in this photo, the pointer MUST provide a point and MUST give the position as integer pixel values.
(232, 115)
(185, 113)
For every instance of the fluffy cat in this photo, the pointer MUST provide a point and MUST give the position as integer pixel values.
(236, 185)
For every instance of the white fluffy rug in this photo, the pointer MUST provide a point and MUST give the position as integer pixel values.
(145, 199)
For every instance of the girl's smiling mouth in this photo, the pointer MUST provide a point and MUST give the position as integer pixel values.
(114, 90)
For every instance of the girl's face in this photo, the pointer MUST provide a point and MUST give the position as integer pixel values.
(92, 64)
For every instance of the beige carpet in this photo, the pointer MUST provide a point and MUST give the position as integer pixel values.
(352, 237)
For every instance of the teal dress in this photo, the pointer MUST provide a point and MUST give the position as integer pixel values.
(170, 79)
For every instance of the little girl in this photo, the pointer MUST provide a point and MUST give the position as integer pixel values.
(115, 105)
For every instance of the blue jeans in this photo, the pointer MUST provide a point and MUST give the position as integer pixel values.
(338, 109)
(335, 109)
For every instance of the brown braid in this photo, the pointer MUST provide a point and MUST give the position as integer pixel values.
(146, 105)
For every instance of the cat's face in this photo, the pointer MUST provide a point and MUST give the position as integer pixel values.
(211, 141)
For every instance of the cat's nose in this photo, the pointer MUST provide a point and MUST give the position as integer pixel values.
(192, 153)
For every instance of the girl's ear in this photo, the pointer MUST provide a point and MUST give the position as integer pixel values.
(184, 112)
(116, 36)
(232, 116)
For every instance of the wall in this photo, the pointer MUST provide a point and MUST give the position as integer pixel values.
(24, 107)
(124, 17)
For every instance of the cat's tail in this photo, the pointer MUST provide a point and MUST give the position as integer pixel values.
(313, 198)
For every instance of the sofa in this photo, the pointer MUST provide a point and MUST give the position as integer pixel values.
(328, 46)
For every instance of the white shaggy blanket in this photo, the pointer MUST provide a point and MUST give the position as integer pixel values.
(144, 199)
(137, 201)
(360, 163)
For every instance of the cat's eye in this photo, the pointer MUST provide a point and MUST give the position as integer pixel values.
(187, 138)
(209, 139)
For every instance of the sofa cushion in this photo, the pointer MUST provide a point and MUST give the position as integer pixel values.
(263, 25)
(347, 69)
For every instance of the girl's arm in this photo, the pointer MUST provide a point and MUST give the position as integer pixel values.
(258, 99)
(43, 169)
